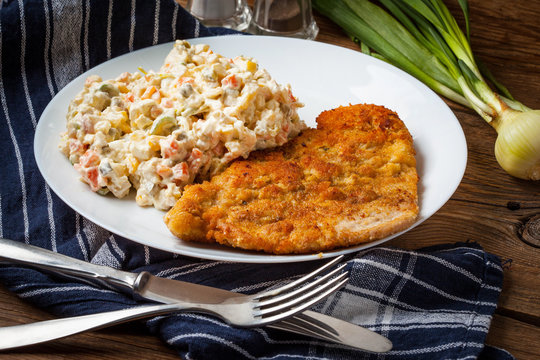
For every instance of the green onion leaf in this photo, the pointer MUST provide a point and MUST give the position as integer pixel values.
(407, 45)
(465, 8)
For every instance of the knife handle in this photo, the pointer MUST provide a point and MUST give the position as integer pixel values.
(42, 259)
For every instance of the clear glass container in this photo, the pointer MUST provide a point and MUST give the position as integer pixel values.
(232, 14)
(292, 18)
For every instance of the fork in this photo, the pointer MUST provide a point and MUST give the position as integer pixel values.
(260, 309)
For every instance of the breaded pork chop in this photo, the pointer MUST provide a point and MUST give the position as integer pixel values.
(350, 181)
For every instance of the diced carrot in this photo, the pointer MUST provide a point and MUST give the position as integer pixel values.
(196, 154)
(194, 160)
(75, 147)
(89, 158)
(92, 177)
(230, 81)
(180, 172)
(129, 97)
(170, 150)
(285, 127)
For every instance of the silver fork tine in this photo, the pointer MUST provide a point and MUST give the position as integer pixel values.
(306, 329)
(302, 298)
(307, 326)
(301, 318)
(272, 305)
(303, 306)
(314, 328)
(297, 282)
(296, 292)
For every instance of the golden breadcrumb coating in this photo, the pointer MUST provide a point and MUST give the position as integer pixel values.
(350, 181)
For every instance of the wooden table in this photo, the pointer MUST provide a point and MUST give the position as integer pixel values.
(490, 207)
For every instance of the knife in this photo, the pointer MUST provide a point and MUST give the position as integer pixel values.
(168, 291)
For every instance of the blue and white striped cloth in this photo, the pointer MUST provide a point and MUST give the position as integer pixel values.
(434, 303)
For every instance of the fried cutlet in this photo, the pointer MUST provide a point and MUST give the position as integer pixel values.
(350, 181)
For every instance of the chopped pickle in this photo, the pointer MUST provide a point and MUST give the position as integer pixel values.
(163, 125)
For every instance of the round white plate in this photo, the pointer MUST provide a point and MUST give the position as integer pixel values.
(323, 77)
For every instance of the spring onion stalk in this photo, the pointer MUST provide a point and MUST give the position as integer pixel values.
(423, 38)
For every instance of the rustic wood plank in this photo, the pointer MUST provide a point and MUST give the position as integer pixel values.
(518, 338)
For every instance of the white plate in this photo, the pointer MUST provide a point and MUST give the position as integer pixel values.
(323, 77)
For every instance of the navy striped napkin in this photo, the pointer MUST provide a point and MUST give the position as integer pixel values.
(434, 303)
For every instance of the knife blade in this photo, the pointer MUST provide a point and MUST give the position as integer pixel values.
(168, 291)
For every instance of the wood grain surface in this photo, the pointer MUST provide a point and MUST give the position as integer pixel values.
(498, 211)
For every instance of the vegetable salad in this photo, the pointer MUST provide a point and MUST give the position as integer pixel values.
(159, 131)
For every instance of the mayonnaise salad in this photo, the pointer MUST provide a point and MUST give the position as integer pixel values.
(159, 131)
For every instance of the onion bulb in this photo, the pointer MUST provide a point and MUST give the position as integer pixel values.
(517, 147)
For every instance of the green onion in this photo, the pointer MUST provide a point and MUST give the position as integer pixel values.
(423, 38)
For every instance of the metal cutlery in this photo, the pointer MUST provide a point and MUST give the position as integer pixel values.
(173, 291)
(236, 309)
